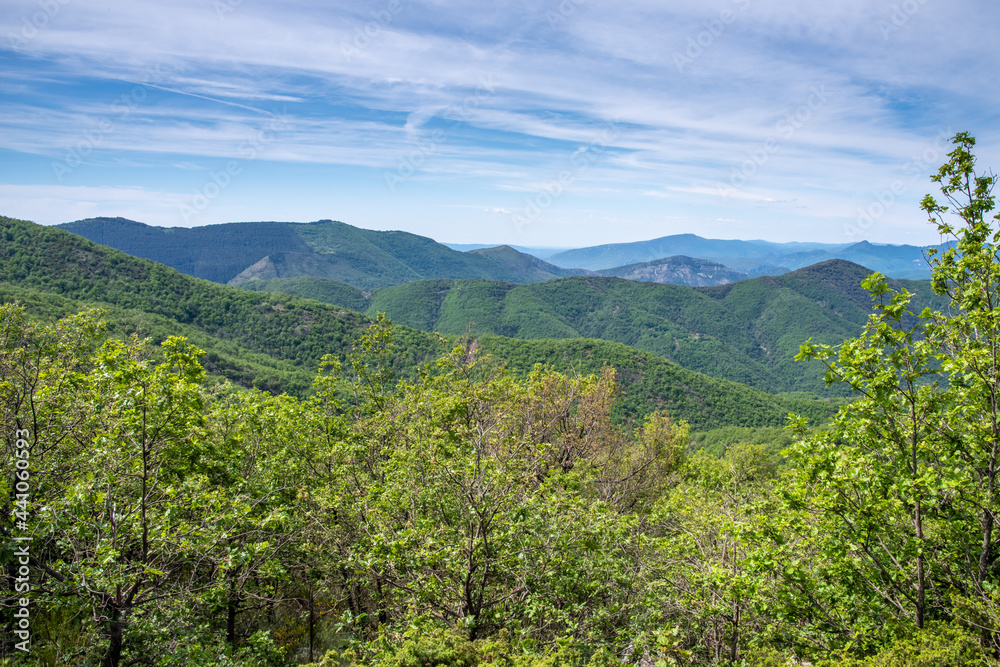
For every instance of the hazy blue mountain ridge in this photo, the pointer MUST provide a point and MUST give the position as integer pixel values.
(752, 257)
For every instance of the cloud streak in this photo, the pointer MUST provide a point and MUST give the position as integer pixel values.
(555, 83)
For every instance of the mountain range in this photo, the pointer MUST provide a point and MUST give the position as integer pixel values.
(236, 253)
(747, 332)
(720, 323)
(752, 257)
(275, 341)
(240, 253)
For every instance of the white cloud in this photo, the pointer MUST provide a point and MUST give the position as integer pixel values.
(525, 93)
(54, 204)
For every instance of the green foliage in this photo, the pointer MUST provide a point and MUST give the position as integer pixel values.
(327, 250)
(937, 645)
(717, 441)
(444, 648)
(748, 332)
(705, 537)
(315, 288)
(275, 342)
(898, 500)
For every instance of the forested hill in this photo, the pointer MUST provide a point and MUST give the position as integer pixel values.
(216, 252)
(239, 252)
(234, 324)
(748, 332)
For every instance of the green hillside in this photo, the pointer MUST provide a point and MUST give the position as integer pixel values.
(223, 358)
(54, 272)
(747, 332)
(239, 252)
(654, 383)
(314, 287)
(282, 327)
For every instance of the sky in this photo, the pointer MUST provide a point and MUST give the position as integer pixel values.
(547, 123)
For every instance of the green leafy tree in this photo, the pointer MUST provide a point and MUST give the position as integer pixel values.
(901, 493)
(129, 529)
(704, 534)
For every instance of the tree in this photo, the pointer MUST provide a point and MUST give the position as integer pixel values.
(41, 367)
(704, 535)
(255, 441)
(902, 491)
(968, 349)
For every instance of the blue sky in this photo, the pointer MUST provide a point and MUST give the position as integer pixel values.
(557, 123)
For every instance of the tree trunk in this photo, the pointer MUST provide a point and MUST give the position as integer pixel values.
(232, 608)
(921, 583)
(734, 645)
(115, 627)
(312, 623)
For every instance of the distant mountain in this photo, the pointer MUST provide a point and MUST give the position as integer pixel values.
(755, 258)
(240, 252)
(747, 331)
(611, 255)
(678, 270)
(895, 261)
(214, 252)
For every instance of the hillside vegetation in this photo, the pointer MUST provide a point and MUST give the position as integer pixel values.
(239, 252)
(747, 332)
(297, 333)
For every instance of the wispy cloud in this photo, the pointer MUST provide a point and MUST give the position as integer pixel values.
(553, 85)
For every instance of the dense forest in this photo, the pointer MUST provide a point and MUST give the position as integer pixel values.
(238, 252)
(487, 500)
(747, 332)
(237, 328)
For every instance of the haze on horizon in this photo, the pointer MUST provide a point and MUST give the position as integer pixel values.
(562, 123)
